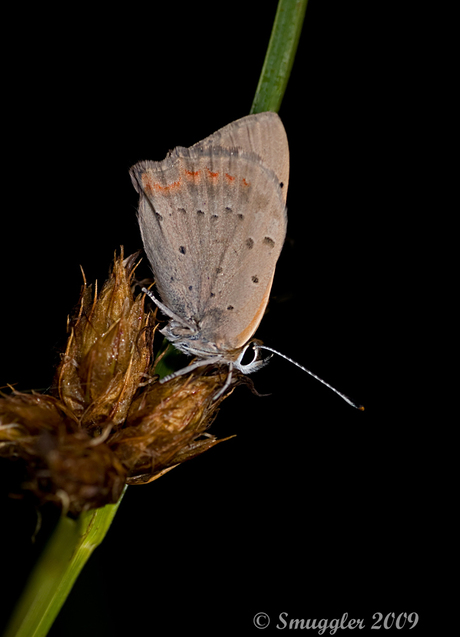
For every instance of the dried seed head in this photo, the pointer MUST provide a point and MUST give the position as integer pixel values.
(109, 421)
(108, 351)
(62, 463)
(166, 425)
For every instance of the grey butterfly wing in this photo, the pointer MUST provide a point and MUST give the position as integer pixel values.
(213, 223)
(262, 134)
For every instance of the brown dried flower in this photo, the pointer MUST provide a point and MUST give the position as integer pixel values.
(108, 352)
(63, 463)
(165, 424)
(110, 421)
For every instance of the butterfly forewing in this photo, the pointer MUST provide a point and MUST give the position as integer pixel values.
(213, 223)
(262, 134)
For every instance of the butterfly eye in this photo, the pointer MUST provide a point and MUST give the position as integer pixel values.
(256, 359)
(248, 356)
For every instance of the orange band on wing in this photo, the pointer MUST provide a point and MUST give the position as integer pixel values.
(151, 186)
(193, 174)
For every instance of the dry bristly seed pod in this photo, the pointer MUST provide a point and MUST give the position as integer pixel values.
(108, 421)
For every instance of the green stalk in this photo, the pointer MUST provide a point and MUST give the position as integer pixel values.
(280, 55)
(73, 541)
(58, 567)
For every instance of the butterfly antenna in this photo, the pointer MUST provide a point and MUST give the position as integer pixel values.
(345, 398)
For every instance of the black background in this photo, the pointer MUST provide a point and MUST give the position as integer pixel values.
(314, 509)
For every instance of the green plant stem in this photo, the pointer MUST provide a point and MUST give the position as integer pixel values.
(280, 55)
(65, 554)
(73, 541)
